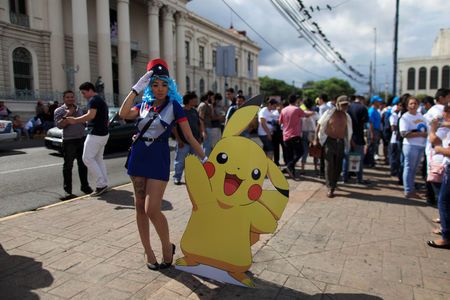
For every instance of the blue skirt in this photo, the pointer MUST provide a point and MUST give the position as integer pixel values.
(150, 161)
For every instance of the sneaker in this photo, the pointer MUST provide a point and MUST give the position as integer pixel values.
(87, 190)
(67, 197)
(100, 191)
(177, 181)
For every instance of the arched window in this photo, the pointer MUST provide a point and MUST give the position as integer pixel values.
(411, 79)
(434, 78)
(422, 78)
(214, 87)
(250, 92)
(188, 83)
(23, 69)
(202, 86)
(445, 77)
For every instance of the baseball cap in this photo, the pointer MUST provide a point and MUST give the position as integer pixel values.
(159, 67)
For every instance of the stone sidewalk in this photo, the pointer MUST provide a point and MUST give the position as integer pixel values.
(367, 243)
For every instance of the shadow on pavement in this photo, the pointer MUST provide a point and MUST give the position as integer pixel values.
(125, 200)
(10, 152)
(379, 198)
(19, 275)
(263, 290)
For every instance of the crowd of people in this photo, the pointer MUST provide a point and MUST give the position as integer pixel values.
(38, 124)
(412, 134)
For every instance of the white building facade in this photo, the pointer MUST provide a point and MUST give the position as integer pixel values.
(424, 75)
(48, 46)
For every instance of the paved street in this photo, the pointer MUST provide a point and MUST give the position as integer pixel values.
(31, 175)
(367, 243)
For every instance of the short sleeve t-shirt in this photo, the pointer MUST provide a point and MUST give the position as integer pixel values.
(266, 114)
(193, 119)
(413, 123)
(375, 118)
(290, 120)
(360, 116)
(393, 121)
(98, 125)
(205, 110)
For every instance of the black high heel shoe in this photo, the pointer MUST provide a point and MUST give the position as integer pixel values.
(166, 265)
(154, 267)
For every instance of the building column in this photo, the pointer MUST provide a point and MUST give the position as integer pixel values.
(104, 48)
(29, 8)
(181, 52)
(80, 42)
(153, 28)
(57, 47)
(4, 11)
(168, 50)
(124, 48)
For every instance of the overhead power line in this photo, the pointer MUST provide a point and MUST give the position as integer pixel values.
(270, 45)
(294, 12)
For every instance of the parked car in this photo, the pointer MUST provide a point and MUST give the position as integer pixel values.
(7, 132)
(120, 133)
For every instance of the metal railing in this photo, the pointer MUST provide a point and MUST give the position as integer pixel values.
(19, 19)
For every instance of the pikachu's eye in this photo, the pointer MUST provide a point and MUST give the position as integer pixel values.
(256, 173)
(222, 158)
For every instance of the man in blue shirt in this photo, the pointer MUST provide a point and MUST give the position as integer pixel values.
(94, 146)
(374, 130)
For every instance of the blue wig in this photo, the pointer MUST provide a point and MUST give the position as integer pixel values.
(172, 93)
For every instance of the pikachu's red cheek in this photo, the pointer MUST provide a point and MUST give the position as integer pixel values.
(254, 192)
(209, 168)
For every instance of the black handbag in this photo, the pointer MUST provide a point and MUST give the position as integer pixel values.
(144, 129)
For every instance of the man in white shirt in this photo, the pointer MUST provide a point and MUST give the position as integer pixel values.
(265, 126)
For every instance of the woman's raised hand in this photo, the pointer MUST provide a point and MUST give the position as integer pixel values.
(143, 82)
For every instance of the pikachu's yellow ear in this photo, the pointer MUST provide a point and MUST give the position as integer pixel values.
(240, 120)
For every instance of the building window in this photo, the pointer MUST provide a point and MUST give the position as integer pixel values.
(434, 78)
(422, 78)
(236, 88)
(236, 64)
(201, 53)
(188, 54)
(18, 13)
(250, 91)
(202, 87)
(214, 58)
(445, 77)
(214, 87)
(249, 62)
(23, 69)
(188, 83)
(411, 79)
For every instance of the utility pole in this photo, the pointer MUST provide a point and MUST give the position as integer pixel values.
(375, 61)
(394, 83)
(370, 81)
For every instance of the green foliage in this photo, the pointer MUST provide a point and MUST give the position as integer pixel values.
(333, 87)
(270, 86)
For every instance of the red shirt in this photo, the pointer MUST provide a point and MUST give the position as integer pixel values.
(291, 121)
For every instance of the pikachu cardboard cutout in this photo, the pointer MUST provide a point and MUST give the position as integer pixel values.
(229, 207)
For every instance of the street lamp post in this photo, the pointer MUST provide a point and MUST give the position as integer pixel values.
(394, 83)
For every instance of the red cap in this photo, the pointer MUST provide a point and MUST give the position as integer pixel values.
(159, 67)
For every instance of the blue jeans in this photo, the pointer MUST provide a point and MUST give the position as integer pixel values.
(413, 155)
(444, 204)
(394, 158)
(180, 155)
(357, 149)
(372, 148)
(207, 142)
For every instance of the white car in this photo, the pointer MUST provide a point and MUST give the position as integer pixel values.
(7, 132)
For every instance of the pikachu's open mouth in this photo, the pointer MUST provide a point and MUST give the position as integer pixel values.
(231, 184)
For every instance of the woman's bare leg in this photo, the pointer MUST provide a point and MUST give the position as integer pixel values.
(155, 191)
(141, 217)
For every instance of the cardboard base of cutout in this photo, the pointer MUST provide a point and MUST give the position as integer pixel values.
(211, 273)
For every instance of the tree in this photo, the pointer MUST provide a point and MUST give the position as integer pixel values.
(333, 87)
(270, 86)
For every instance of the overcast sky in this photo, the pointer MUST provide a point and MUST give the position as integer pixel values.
(349, 27)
